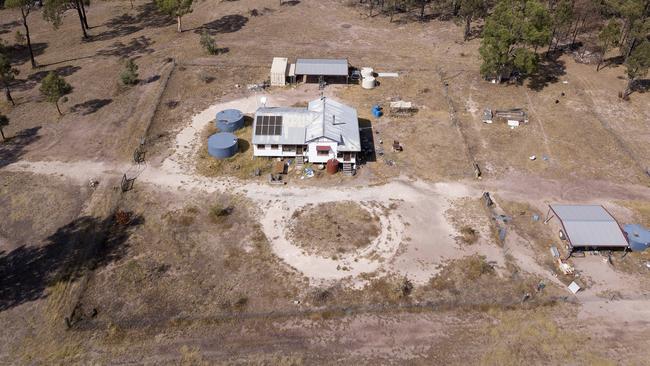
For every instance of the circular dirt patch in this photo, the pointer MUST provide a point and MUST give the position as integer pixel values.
(333, 228)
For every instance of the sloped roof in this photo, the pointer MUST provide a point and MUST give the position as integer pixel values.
(337, 122)
(322, 66)
(323, 118)
(279, 65)
(589, 226)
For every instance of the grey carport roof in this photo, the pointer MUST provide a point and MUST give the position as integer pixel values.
(321, 66)
(589, 226)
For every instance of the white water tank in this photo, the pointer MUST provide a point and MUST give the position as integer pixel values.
(366, 72)
(368, 83)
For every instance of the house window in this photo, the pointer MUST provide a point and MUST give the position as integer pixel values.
(288, 148)
(274, 147)
(322, 150)
(261, 147)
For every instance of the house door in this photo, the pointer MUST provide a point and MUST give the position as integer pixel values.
(298, 149)
(346, 156)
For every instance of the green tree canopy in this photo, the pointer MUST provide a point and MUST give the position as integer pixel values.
(607, 38)
(175, 8)
(25, 6)
(7, 75)
(54, 9)
(637, 65)
(510, 36)
(53, 87)
(470, 10)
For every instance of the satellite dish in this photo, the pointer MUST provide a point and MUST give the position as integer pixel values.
(263, 101)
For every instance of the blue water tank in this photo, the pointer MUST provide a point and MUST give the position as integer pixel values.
(638, 237)
(222, 145)
(230, 120)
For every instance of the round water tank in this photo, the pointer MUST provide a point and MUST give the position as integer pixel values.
(366, 72)
(332, 166)
(230, 120)
(222, 145)
(368, 83)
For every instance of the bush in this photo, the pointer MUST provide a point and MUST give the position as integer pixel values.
(130, 74)
(20, 38)
(208, 44)
(218, 213)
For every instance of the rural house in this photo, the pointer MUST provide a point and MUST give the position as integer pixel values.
(325, 130)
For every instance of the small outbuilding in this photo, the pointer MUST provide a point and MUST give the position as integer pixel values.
(321, 69)
(588, 227)
(279, 70)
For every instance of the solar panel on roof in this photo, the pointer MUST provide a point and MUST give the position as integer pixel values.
(268, 126)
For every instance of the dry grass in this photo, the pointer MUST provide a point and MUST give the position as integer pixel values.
(333, 228)
(517, 337)
(243, 165)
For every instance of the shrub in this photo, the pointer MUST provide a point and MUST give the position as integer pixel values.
(130, 74)
(208, 44)
(20, 38)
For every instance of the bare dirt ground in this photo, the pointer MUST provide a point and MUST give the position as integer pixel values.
(334, 227)
(204, 270)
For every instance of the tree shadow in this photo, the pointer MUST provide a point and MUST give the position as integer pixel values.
(641, 86)
(226, 24)
(14, 147)
(137, 46)
(90, 106)
(613, 61)
(150, 79)
(243, 145)
(86, 243)
(548, 72)
(19, 54)
(6, 27)
(367, 137)
(148, 16)
(33, 79)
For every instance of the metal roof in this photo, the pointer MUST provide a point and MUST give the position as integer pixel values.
(279, 65)
(321, 66)
(323, 118)
(589, 226)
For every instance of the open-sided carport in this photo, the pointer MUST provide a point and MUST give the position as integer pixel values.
(320, 69)
(588, 227)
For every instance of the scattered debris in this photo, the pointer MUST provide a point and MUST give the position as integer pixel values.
(555, 252)
(487, 115)
(402, 108)
(122, 217)
(276, 179)
(487, 199)
(377, 111)
(477, 171)
(574, 287)
(565, 268)
(387, 74)
(532, 157)
(397, 146)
